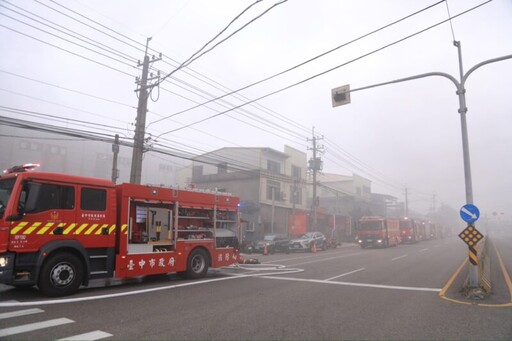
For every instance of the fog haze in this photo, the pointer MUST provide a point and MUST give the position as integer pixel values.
(406, 135)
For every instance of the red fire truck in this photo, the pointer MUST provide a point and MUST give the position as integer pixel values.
(409, 230)
(60, 231)
(378, 231)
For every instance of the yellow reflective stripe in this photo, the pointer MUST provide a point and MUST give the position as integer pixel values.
(31, 228)
(89, 231)
(80, 229)
(100, 229)
(45, 228)
(19, 227)
(69, 229)
(124, 228)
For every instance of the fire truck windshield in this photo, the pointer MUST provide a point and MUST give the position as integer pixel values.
(6, 186)
(371, 225)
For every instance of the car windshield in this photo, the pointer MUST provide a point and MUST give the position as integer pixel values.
(307, 236)
(6, 186)
(371, 225)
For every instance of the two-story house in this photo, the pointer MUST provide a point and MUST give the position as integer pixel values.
(270, 183)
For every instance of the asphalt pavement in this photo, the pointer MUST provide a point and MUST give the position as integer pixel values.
(342, 294)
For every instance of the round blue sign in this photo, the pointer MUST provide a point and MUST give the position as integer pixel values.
(469, 213)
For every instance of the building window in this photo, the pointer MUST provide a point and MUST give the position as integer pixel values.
(296, 195)
(197, 171)
(222, 168)
(296, 172)
(273, 187)
(162, 167)
(273, 166)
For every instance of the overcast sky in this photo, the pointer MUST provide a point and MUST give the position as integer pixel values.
(406, 135)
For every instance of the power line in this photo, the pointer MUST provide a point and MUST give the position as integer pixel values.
(328, 70)
(67, 89)
(65, 50)
(307, 61)
(191, 59)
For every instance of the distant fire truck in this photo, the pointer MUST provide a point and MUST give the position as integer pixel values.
(409, 230)
(60, 231)
(378, 231)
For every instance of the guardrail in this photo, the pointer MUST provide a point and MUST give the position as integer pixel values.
(484, 265)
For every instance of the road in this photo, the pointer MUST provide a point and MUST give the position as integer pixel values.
(346, 293)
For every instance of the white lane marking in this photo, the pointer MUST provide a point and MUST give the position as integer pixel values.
(399, 257)
(345, 274)
(143, 291)
(309, 255)
(95, 335)
(329, 258)
(366, 285)
(423, 250)
(33, 326)
(20, 313)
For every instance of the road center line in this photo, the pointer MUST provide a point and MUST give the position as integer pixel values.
(399, 257)
(345, 274)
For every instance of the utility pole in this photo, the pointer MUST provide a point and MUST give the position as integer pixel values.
(406, 202)
(140, 124)
(315, 165)
(115, 150)
(294, 200)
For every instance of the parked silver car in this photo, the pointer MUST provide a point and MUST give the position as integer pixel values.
(305, 242)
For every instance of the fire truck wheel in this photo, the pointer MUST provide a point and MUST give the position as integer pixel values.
(197, 264)
(61, 275)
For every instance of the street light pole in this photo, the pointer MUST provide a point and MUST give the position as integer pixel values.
(461, 93)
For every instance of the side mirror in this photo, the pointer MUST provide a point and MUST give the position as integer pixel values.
(14, 217)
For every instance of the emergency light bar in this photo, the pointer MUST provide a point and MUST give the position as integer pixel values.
(27, 167)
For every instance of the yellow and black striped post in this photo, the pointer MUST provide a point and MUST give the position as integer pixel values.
(471, 236)
(473, 255)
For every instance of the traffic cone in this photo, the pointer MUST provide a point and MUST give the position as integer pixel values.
(265, 250)
(313, 248)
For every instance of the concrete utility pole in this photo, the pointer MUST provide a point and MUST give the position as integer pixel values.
(115, 150)
(315, 164)
(406, 202)
(140, 124)
(461, 93)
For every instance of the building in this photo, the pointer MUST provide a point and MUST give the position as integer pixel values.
(270, 183)
(80, 156)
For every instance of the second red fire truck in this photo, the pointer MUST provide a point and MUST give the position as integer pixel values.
(60, 231)
(378, 232)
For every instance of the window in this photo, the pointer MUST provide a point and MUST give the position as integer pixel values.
(273, 166)
(275, 188)
(93, 199)
(43, 197)
(296, 172)
(222, 167)
(296, 198)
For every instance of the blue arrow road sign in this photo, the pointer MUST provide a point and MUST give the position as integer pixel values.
(469, 213)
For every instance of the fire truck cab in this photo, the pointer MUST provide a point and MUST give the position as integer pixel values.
(378, 232)
(60, 231)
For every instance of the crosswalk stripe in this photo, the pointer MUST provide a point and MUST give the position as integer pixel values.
(33, 326)
(20, 313)
(95, 335)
